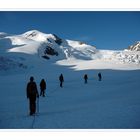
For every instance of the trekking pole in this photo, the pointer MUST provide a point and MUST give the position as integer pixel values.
(37, 105)
(28, 110)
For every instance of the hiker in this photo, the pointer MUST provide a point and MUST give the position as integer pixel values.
(32, 93)
(42, 87)
(99, 76)
(85, 78)
(61, 79)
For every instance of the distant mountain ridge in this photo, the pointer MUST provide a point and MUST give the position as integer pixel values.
(21, 50)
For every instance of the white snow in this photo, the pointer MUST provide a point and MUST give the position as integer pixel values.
(98, 64)
(113, 102)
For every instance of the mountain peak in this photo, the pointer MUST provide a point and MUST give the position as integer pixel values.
(37, 35)
(32, 32)
(135, 47)
(3, 34)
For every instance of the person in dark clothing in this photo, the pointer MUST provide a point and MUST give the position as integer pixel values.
(85, 78)
(99, 76)
(32, 93)
(61, 79)
(42, 87)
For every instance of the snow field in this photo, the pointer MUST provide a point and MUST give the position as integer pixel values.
(111, 103)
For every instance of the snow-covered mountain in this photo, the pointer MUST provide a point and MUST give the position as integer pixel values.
(37, 45)
(22, 50)
(135, 47)
(45, 45)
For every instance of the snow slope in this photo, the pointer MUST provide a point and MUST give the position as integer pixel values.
(111, 103)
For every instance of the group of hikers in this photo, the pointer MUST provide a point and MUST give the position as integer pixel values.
(32, 91)
(86, 77)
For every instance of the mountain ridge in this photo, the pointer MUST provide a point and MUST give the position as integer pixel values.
(35, 46)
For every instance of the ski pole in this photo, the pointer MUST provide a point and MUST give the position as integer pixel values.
(28, 110)
(37, 105)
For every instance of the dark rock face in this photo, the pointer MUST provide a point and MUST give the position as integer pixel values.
(58, 40)
(50, 51)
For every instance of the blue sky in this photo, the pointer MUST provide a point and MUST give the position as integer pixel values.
(104, 29)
